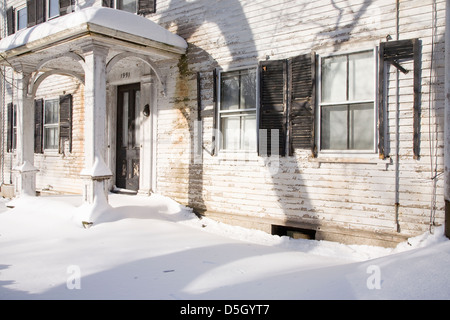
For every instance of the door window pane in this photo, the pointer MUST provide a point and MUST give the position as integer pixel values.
(125, 119)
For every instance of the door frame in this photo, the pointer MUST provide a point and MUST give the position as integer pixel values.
(133, 87)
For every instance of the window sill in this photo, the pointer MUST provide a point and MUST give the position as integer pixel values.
(371, 159)
(230, 155)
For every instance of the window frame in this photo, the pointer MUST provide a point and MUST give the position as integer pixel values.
(47, 13)
(374, 101)
(51, 126)
(238, 113)
(20, 8)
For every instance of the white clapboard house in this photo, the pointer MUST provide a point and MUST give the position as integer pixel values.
(312, 119)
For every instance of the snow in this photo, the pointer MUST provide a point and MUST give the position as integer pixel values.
(105, 17)
(154, 248)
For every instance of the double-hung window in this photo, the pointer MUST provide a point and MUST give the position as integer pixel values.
(22, 18)
(51, 124)
(347, 96)
(237, 110)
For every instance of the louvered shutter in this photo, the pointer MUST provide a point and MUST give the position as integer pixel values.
(40, 11)
(9, 130)
(273, 105)
(214, 141)
(35, 12)
(146, 6)
(108, 3)
(65, 122)
(65, 6)
(10, 20)
(38, 125)
(302, 103)
(392, 52)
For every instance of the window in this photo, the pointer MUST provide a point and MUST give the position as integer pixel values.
(127, 5)
(51, 124)
(53, 8)
(22, 18)
(347, 115)
(133, 6)
(237, 110)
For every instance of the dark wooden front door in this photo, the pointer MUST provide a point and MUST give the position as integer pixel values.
(128, 141)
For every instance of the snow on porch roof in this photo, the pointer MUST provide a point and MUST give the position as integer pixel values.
(107, 21)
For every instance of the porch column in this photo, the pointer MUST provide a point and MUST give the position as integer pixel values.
(24, 171)
(146, 132)
(95, 173)
(447, 122)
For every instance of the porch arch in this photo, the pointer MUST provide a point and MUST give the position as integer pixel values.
(141, 57)
(35, 82)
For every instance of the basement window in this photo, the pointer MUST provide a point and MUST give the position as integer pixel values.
(294, 233)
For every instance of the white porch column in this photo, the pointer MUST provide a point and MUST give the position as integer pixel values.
(95, 173)
(24, 171)
(447, 123)
(146, 173)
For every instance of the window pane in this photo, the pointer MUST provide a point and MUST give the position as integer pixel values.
(334, 79)
(249, 132)
(361, 76)
(51, 112)
(362, 127)
(51, 138)
(53, 9)
(137, 124)
(248, 89)
(22, 19)
(229, 94)
(127, 5)
(334, 128)
(231, 132)
(125, 130)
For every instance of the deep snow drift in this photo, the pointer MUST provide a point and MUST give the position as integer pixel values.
(154, 248)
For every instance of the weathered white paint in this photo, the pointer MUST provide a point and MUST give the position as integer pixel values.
(447, 122)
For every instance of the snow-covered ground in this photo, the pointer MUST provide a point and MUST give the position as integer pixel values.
(154, 248)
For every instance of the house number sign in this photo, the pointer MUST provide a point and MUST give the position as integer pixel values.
(125, 75)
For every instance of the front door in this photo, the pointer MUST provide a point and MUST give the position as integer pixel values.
(128, 139)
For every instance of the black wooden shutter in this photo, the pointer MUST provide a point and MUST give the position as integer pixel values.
(35, 12)
(108, 3)
(146, 6)
(40, 11)
(393, 52)
(65, 122)
(31, 13)
(214, 141)
(302, 85)
(10, 20)
(9, 131)
(38, 125)
(273, 106)
(65, 6)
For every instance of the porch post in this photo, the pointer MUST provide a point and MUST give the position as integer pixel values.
(24, 171)
(95, 173)
(447, 123)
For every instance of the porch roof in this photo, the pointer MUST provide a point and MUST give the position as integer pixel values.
(110, 25)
